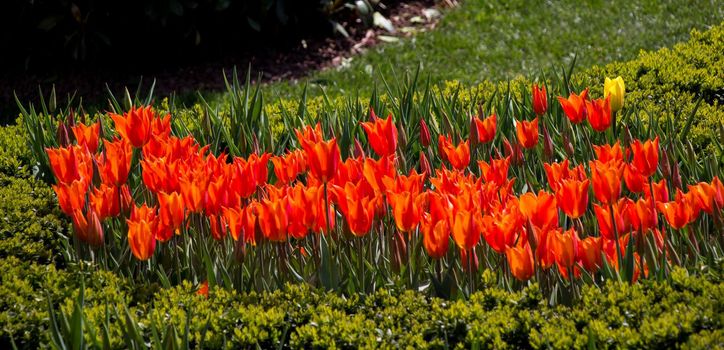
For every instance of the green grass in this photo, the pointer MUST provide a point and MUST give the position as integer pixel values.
(498, 40)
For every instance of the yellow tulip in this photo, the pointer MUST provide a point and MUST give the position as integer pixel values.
(616, 89)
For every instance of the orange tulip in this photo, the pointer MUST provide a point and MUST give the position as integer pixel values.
(70, 164)
(105, 201)
(171, 210)
(572, 197)
(323, 158)
(88, 227)
(643, 216)
(527, 132)
(465, 228)
(242, 223)
(87, 135)
(520, 260)
(540, 99)
(358, 209)
(589, 253)
(574, 106)
(702, 195)
(288, 167)
(406, 209)
(557, 172)
(541, 210)
(565, 247)
(485, 129)
(646, 156)
(71, 197)
(635, 182)
(661, 191)
(273, 219)
(678, 213)
(502, 229)
(381, 134)
(608, 153)
(436, 226)
(161, 126)
(115, 163)
(458, 156)
(606, 178)
(142, 232)
(308, 136)
(599, 114)
(620, 211)
(496, 171)
(135, 125)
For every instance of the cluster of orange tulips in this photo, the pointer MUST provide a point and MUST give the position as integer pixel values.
(470, 205)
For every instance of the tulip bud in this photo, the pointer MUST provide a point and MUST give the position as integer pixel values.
(616, 89)
(507, 148)
(530, 230)
(255, 143)
(547, 144)
(61, 134)
(425, 138)
(473, 135)
(94, 234)
(425, 164)
(568, 144)
(664, 164)
(70, 120)
(402, 137)
(691, 154)
(676, 176)
(126, 201)
(359, 152)
(240, 250)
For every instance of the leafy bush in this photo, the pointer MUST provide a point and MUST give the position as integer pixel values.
(683, 312)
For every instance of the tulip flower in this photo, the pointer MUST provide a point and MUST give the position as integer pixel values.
(643, 216)
(135, 125)
(575, 106)
(425, 138)
(406, 209)
(485, 129)
(606, 178)
(376, 170)
(87, 135)
(635, 182)
(358, 209)
(599, 114)
(615, 89)
(678, 213)
(540, 99)
(115, 162)
(496, 171)
(88, 227)
(71, 197)
(702, 194)
(589, 253)
(527, 132)
(557, 172)
(608, 153)
(458, 156)
(572, 197)
(520, 260)
(661, 191)
(465, 228)
(142, 228)
(646, 156)
(323, 158)
(540, 209)
(381, 134)
(565, 247)
(622, 220)
(435, 225)
(273, 219)
(171, 210)
(288, 167)
(71, 163)
(105, 202)
(308, 136)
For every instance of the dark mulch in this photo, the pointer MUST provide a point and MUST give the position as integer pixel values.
(312, 52)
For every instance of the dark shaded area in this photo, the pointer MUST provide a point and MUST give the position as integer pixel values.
(80, 46)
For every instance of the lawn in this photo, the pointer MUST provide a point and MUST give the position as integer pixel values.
(499, 40)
